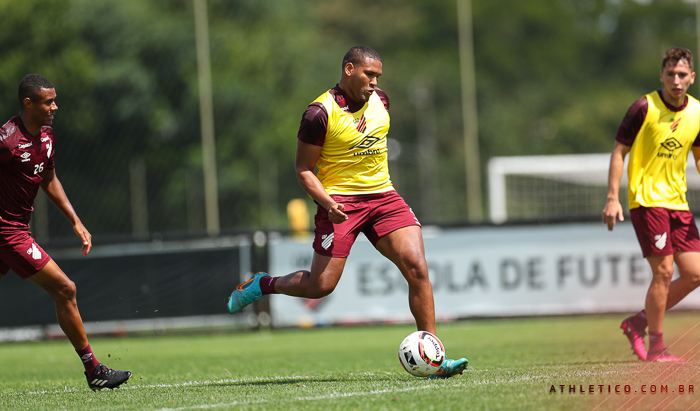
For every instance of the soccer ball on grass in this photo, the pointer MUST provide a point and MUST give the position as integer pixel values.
(421, 353)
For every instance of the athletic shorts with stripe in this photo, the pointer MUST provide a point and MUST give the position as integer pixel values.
(375, 215)
(21, 254)
(662, 231)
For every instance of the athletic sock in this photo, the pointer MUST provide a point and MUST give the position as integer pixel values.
(656, 342)
(639, 320)
(267, 285)
(89, 360)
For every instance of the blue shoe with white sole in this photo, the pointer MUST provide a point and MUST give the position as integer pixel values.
(245, 293)
(450, 368)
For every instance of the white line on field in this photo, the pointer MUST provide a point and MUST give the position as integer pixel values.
(316, 398)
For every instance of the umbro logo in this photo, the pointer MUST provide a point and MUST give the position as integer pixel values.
(366, 142)
(87, 357)
(25, 157)
(671, 144)
(327, 240)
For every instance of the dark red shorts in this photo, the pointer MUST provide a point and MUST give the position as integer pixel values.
(20, 253)
(375, 215)
(662, 231)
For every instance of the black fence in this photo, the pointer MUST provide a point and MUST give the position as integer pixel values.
(146, 281)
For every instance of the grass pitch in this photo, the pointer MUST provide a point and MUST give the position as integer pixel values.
(566, 363)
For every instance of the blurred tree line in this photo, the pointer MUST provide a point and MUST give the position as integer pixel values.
(553, 77)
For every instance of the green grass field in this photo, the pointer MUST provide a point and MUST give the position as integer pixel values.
(514, 364)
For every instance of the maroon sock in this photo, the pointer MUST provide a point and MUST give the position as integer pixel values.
(89, 360)
(656, 342)
(267, 285)
(639, 321)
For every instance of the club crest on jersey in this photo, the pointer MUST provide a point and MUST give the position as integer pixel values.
(361, 124)
(675, 124)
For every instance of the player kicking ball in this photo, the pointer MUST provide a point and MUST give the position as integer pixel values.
(27, 146)
(658, 132)
(344, 134)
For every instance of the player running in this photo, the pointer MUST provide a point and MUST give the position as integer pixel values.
(658, 132)
(27, 146)
(343, 133)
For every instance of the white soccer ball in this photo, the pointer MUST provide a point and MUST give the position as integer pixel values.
(421, 353)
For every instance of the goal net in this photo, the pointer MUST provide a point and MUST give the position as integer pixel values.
(559, 187)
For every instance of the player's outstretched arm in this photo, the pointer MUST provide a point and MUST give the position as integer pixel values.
(613, 209)
(305, 163)
(54, 191)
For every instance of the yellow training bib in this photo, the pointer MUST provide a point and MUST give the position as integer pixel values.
(659, 155)
(354, 155)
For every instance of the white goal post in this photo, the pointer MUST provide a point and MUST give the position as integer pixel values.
(585, 170)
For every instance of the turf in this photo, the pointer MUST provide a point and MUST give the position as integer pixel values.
(514, 364)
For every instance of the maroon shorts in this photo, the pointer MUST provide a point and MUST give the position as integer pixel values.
(662, 231)
(376, 215)
(20, 253)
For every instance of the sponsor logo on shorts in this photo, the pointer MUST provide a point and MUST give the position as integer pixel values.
(660, 241)
(327, 240)
(34, 252)
(414, 216)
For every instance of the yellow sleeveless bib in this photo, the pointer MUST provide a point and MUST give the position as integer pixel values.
(659, 155)
(354, 155)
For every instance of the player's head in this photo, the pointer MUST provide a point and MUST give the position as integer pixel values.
(677, 72)
(674, 55)
(361, 68)
(37, 99)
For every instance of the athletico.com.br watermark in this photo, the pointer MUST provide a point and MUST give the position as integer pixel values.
(622, 389)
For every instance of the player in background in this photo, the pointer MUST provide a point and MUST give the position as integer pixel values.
(658, 132)
(27, 146)
(343, 133)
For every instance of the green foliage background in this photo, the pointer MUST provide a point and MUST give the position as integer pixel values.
(553, 77)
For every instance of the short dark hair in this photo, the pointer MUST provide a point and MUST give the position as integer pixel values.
(676, 54)
(31, 86)
(359, 54)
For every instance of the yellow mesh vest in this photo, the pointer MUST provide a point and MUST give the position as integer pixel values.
(354, 155)
(659, 155)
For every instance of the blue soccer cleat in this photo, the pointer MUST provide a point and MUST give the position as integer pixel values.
(245, 293)
(450, 368)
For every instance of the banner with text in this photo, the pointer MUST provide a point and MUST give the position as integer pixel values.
(484, 271)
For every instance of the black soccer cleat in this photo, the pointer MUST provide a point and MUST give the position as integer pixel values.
(105, 377)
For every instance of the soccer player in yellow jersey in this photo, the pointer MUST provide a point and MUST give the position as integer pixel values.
(658, 133)
(343, 133)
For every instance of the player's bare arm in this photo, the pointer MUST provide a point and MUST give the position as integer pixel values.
(54, 191)
(613, 209)
(696, 156)
(305, 163)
